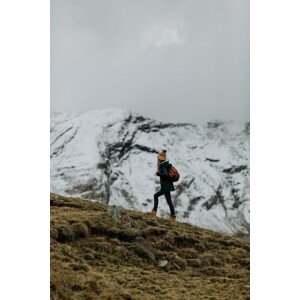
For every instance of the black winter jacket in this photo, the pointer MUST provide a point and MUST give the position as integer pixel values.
(165, 183)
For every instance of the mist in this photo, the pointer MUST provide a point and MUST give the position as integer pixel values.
(175, 61)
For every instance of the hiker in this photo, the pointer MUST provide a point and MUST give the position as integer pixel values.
(166, 184)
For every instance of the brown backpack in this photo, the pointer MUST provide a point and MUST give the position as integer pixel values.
(173, 174)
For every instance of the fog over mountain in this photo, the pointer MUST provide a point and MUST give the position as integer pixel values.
(171, 60)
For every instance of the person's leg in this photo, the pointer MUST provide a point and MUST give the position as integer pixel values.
(155, 196)
(170, 203)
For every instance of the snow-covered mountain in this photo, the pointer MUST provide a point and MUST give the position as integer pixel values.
(110, 156)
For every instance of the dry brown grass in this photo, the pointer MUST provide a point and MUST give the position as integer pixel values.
(93, 257)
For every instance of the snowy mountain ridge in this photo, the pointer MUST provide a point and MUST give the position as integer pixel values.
(109, 155)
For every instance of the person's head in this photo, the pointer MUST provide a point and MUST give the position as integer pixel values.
(162, 156)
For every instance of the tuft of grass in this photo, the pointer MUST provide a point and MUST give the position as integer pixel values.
(188, 253)
(164, 246)
(153, 231)
(65, 234)
(53, 233)
(181, 263)
(185, 241)
(194, 263)
(80, 230)
(80, 267)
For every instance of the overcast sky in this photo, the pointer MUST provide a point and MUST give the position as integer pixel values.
(173, 60)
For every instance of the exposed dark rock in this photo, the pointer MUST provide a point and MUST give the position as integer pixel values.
(145, 149)
(101, 165)
(214, 200)
(152, 126)
(192, 204)
(60, 135)
(139, 119)
(58, 150)
(181, 187)
(212, 160)
(234, 169)
(214, 124)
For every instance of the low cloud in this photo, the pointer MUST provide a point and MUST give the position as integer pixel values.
(163, 35)
(167, 59)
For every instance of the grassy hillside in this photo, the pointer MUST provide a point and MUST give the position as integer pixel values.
(94, 256)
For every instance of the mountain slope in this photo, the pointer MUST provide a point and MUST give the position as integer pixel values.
(110, 156)
(95, 256)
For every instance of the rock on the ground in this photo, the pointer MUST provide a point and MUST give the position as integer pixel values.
(119, 214)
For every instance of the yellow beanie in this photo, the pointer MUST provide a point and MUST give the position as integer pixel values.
(162, 155)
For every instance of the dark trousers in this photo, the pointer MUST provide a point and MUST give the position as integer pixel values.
(168, 198)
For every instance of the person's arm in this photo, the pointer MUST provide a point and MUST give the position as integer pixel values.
(164, 172)
(158, 170)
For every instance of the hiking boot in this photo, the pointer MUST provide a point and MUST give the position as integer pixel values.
(152, 213)
(172, 218)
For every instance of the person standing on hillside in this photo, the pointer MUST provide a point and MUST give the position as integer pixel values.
(166, 184)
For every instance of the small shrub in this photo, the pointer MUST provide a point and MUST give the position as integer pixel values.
(164, 246)
(244, 262)
(140, 252)
(52, 287)
(53, 233)
(212, 271)
(88, 223)
(98, 229)
(106, 247)
(180, 262)
(208, 259)
(200, 248)
(226, 243)
(80, 267)
(188, 253)
(225, 256)
(126, 296)
(123, 235)
(239, 253)
(170, 240)
(153, 231)
(185, 240)
(65, 293)
(88, 257)
(209, 245)
(151, 222)
(65, 234)
(76, 287)
(80, 230)
(93, 285)
(194, 263)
